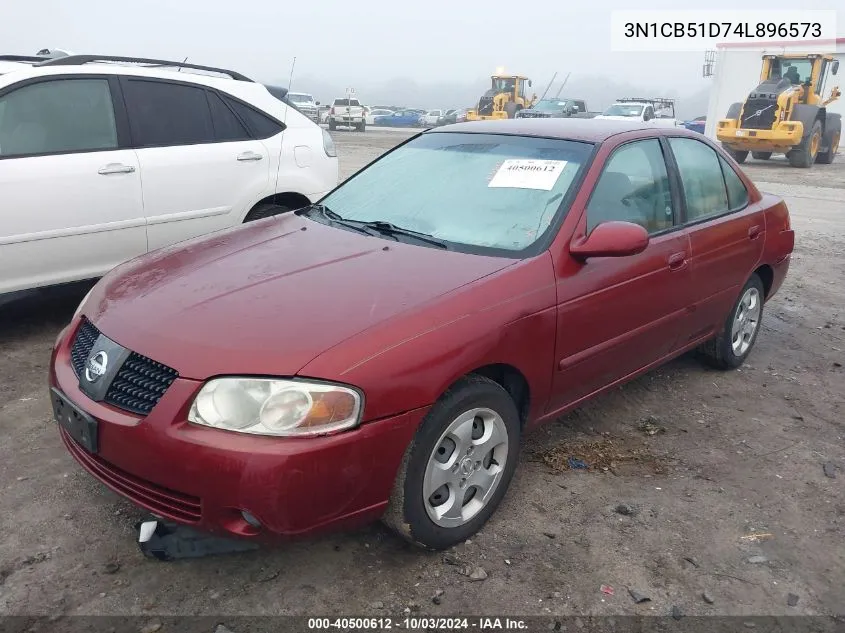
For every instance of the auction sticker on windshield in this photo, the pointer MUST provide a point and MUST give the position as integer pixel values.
(521, 173)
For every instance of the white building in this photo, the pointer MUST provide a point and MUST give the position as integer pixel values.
(737, 73)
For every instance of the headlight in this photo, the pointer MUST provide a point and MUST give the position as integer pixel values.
(264, 406)
(328, 144)
(82, 304)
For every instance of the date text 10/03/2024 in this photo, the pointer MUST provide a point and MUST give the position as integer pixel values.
(418, 624)
(722, 29)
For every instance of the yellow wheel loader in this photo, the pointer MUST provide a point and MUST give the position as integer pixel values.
(506, 96)
(786, 113)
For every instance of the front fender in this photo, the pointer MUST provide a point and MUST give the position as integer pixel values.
(409, 361)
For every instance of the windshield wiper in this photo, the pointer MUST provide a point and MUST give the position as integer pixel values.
(386, 228)
(333, 217)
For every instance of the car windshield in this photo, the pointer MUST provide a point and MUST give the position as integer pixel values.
(551, 105)
(299, 98)
(346, 102)
(492, 191)
(620, 109)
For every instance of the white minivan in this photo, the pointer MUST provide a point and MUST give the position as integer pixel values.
(103, 159)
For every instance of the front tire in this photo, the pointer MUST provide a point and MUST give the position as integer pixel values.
(458, 466)
(733, 344)
(804, 155)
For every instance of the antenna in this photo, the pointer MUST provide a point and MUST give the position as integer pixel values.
(290, 83)
(549, 86)
(562, 85)
(179, 70)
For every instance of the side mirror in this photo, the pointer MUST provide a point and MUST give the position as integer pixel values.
(316, 103)
(529, 83)
(835, 68)
(611, 239)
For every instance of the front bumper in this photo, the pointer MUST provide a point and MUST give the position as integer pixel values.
(206, 477)
(784, 136)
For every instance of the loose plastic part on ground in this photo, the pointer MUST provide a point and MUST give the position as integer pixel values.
(170, 541)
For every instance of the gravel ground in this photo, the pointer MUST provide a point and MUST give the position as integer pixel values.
(727, 497)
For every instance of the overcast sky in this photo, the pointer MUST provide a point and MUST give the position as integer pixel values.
(352, 41)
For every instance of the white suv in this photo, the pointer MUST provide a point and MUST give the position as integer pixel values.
(105, 158)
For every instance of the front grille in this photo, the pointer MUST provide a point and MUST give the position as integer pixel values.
(139, 383)
(762, 121)
(532, 114)
(485, 106)
(158, 500)
(85, 337)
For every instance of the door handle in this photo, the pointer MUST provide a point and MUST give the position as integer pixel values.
(246, 156)
(677, 261)
(115, 168)
(754, 232)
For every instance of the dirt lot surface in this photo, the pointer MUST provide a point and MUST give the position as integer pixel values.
(702, 482)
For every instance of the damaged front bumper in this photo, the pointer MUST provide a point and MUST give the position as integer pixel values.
(230, 483)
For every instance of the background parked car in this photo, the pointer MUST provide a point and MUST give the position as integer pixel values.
(432, 117)
(697, 124)
(402, 118)
(92, 174)
(376, 112)
(445, 117)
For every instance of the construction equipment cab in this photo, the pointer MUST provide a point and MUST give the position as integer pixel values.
(506, 97)
(786, 113)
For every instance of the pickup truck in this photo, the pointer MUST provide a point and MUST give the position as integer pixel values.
(657, 112)
(305, 103)
(557, 109)
(346, 111)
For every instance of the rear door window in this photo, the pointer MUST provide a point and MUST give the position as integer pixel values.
(705, 193)
(57, 116)
(165, 114)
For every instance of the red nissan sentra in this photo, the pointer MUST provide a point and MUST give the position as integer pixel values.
(380, 354)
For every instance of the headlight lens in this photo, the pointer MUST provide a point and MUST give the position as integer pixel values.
(328, 144)
(265, 406)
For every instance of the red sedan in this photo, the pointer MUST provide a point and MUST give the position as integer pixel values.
(380, 354)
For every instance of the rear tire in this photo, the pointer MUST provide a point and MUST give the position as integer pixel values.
(804, 155)
(738, 155)
(732, 345)
(265, 210)
(832, 137)
(761, 155)
(474, 429)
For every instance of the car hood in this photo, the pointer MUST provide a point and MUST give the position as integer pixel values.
(268, 297)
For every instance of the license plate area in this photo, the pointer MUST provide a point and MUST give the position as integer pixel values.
(78, 424)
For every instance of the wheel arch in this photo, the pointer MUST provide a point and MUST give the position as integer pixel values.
(290, 199)
(512, 380)
(808, 115)
(767, 275)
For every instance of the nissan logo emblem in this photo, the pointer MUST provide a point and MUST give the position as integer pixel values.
(96, 366)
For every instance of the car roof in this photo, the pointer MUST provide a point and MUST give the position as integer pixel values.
(591, 130)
